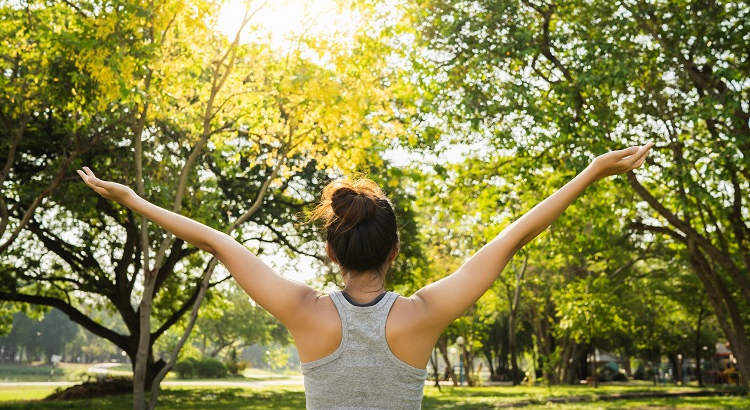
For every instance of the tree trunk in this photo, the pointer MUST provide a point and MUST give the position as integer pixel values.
(490, 361)
(503, 362)
(675, 368)
(434, 362)
(709, 263)
(514, 301)
(471, 380)
(152, 368)
(443, 348)
(544, 345)
(726, 310)
(143, 355)
(579, 368)
(515, 373)
(594, 378)
(698, 345)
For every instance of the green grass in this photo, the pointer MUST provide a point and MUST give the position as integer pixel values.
(491, 397)
(28, 373)
(76, 372)
(693, 403)
(39, 373)
(186, 398)
(8, 393)
(293, 397)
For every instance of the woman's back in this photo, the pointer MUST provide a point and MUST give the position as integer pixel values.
(363, 372)
(368, 357)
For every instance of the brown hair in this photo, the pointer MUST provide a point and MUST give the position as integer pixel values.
(360, 223)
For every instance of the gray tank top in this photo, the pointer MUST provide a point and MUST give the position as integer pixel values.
(363, 373)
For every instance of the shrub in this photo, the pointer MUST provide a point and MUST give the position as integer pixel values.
(210, 368)
(186, 368)
(236, 368)
(206, 367)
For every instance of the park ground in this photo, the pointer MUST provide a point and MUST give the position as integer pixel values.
(293, 397)
(231, 394)
(23, 387)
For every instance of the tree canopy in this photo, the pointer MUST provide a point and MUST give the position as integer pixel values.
(467, 113)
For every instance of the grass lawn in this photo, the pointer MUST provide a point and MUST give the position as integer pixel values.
(76, 372)
(293, 397)
(41, 373)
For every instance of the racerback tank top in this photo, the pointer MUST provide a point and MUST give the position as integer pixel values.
(363, 373)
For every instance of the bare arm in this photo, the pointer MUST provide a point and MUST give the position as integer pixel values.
(283, 298)
(443, 301)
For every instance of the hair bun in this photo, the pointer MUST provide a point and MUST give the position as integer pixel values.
(360, 224)
(346, 203)
(352, 206)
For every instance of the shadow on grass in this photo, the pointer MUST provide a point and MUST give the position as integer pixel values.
(293, 397)
(193, 398)
(580, 397)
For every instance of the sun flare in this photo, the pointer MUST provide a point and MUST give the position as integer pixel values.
(282, 22)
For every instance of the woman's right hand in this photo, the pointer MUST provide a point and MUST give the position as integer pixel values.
(107, 189)
(620, 161)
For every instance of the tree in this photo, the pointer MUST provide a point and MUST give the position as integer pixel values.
(42, 91)
(547, 79)
(38, 339)
(196, 123)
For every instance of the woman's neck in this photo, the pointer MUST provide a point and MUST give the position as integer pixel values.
(364, 286)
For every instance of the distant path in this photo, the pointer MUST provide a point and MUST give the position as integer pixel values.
(101, 368)
(286, 381)
(41, 384)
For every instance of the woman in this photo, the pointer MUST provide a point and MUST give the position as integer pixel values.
(363, 347)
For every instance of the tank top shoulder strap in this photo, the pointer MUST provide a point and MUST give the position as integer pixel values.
(340, 302)
(388, 300)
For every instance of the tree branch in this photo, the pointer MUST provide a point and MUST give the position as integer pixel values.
(29, 212)
(289, 245)
(176, 253)
(692, 235)
(73, 313)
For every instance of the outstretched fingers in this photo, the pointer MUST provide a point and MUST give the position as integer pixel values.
(90, 173)
(91, 180)
(84, 177)
(640, 157)
(626, 152)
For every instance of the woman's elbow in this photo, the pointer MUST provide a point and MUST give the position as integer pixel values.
(219, 244)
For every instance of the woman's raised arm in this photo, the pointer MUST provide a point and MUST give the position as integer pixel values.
(283, 298)
(443, 301)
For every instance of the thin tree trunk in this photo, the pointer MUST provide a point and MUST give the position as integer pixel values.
(512, 347)
(443, 348)
(545, 344)
(593, 376)
(516, 376)
(468, 366)
(434, 363)
(698, 345)
(206, 281)
(488, 355)
(150, 276)
(149, 279)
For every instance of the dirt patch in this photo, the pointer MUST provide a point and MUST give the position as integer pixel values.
(88, 390)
